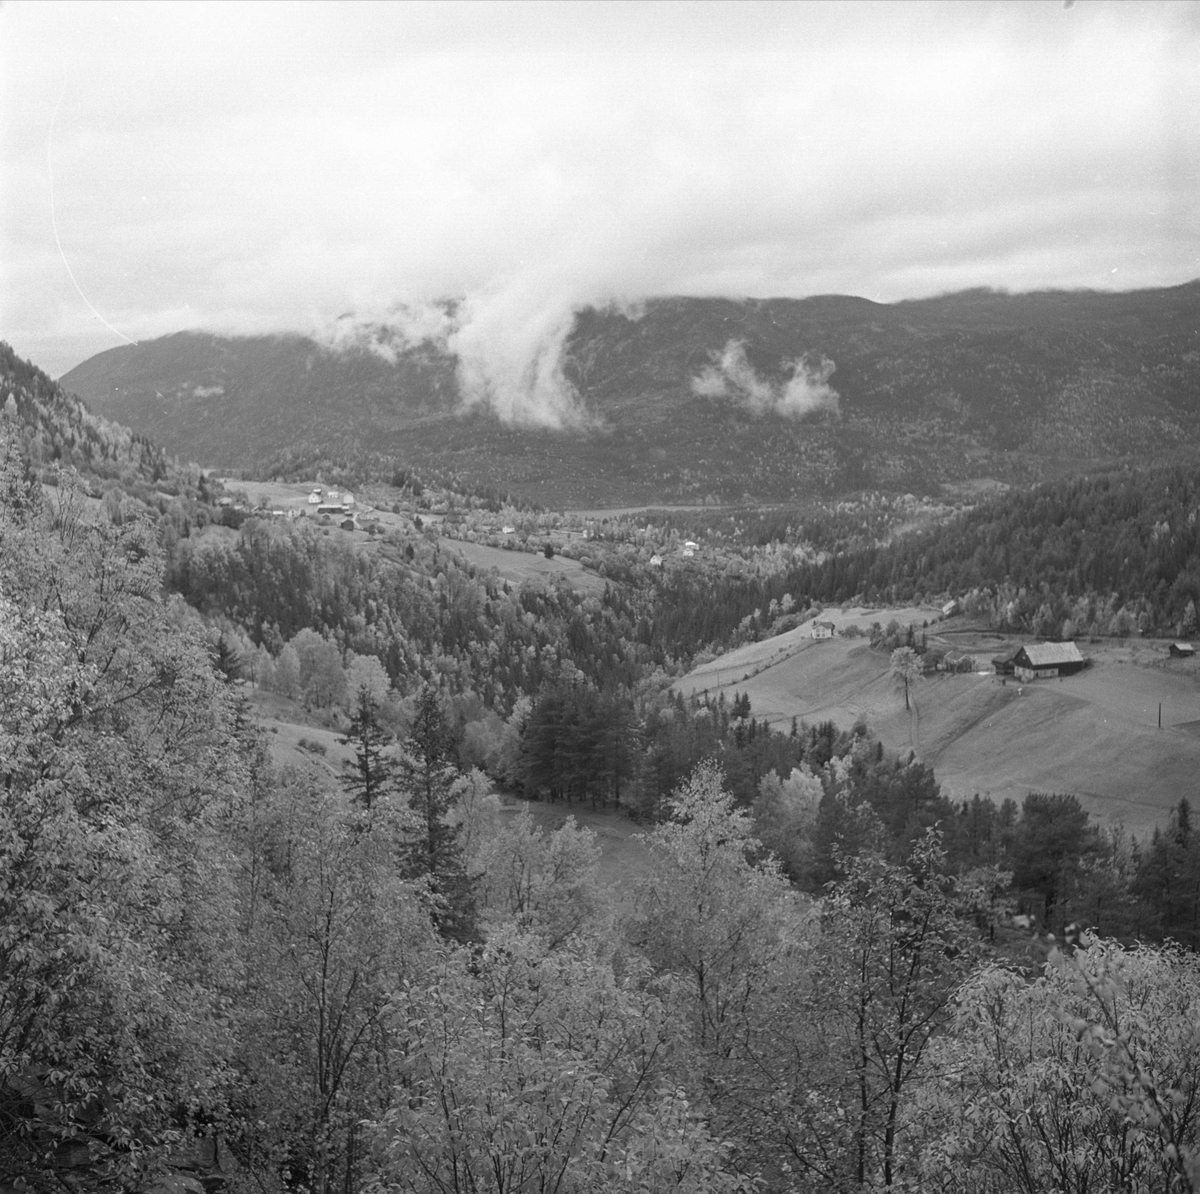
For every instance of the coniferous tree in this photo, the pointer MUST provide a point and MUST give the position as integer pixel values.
(371, 772)
(1052, 837)
(1169, 878)
(426, 775)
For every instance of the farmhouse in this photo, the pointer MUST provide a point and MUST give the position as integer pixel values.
(1182, 650)
(823, 629)
(951, 607)
(314, 498)
(1040, 661)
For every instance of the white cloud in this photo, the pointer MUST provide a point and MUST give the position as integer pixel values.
(730, 375)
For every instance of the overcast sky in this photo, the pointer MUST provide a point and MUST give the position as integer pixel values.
(257, 167)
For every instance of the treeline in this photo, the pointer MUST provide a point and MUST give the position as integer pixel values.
(424, 612)
(818, 796)
(824, 526)
(1110, 554)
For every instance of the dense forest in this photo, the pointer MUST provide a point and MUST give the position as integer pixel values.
(221, 974)
(1116, 553)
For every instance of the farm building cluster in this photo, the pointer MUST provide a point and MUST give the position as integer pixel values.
(332, 502)
(1040, 661)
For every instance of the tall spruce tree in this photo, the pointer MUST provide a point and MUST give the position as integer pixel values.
(427, 772)
(371, 772)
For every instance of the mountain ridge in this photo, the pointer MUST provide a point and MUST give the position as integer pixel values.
(684, 397)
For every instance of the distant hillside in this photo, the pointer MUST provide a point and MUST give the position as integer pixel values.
(54, 427)
(690, 393)
(57, 427)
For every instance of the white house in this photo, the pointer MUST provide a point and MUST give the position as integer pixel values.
(507, 530)
(823, 629)
(688, 545)
(314, 498)
(348, 500)
(656, 560)
(332, 498)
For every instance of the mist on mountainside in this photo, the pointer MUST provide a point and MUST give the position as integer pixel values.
(685, 400)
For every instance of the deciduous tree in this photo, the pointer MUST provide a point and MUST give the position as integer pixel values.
(906, 669)
(1087, 1079)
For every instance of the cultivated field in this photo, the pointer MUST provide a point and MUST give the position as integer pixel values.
(1095, 734)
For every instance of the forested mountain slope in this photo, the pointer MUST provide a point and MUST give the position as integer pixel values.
(55, 427)
(1107, 554)
(707, 399)
(1116, 552)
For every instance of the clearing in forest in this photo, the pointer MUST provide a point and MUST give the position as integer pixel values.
(1094, 734)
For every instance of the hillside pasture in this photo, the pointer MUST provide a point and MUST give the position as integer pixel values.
(519, 566)
(287, 724)
(1094, 734)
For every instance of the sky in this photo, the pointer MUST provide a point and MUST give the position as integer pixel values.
(319, 167)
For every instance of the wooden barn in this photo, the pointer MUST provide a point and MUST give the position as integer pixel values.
(1004, 663)
(1182, 650)
(1041, 661)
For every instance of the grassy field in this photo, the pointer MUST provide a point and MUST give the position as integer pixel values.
(518, 566)
(1095, 734)
(287, 725)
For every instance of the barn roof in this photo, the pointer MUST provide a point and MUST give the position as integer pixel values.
(1052, 654)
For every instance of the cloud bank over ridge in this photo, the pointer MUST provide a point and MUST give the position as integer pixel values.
(258, 168)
